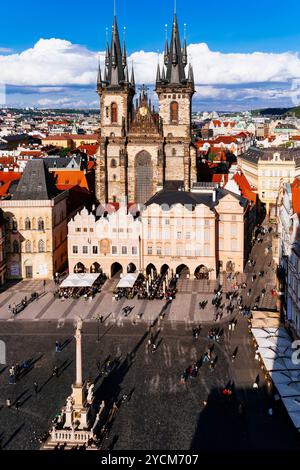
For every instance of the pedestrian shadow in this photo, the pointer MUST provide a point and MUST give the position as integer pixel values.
(65, 365)
(14, 434)
(66, 343)
(159, 343)
(107, 317)
(113, 442)
(20, 396)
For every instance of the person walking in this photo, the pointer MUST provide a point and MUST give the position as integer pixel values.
(36, 387)
(57, 346)
(55, 371)
(101, 318)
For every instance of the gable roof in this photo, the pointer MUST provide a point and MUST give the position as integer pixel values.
(36, 183)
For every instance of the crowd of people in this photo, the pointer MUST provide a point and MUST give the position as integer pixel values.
(152, 287)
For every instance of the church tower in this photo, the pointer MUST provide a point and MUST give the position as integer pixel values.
(116, 93)
(175, 90)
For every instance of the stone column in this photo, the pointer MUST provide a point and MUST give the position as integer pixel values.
(78, 354)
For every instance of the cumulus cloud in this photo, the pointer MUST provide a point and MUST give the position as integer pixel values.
(57, 66)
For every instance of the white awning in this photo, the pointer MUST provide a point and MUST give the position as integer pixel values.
(80, 280)
(128, 280)
(275, 349)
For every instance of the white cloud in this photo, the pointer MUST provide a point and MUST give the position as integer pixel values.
(58, 62)
(67, 73)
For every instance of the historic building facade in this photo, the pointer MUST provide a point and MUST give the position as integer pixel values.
(203, 231)
(36, 225)
(140, 149)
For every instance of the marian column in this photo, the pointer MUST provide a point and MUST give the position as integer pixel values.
(78, 354)
(78, 388)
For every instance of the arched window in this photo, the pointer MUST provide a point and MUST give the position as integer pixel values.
(41, 225)
(15, 247)
(41, 246)
(113, 163)
(27, 246)
(114, 113)
(174, 152)
(14, 225)
(174, 111)
(27, 224)
(114, 177)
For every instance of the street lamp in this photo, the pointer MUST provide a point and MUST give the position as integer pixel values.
(98, 318)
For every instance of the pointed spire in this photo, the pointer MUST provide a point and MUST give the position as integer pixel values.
(163, 75)
(107, 53)
(175, 63)
(158, 73)
(126, 74)
(116, 68)
(124, 54)
(191, 75)
(166, 55)
(184, 49)
(132, 81)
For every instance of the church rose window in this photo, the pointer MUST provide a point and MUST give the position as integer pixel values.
(174, 111)
(114, 113)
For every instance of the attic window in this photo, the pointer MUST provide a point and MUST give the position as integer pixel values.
(67, 181)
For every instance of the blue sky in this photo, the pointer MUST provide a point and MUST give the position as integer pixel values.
(226, 27)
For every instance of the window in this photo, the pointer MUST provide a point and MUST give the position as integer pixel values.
(233, 217)
(114, 250)
(167, 250)
(206, 235)
(174, 152)
(28, 246)
(114, 113)
(167, 221)
(15, 247)
(149, 250)
(206, 250)
(221, 244)
(198, 250)
(206, 222)
(179, 250)
(78, 229)
(113, 163)
(14, 225)
(75, 249)
(188, 235)
(91, 229)
(95, 250)
(234, 229)
(134, 250)
(158, 251)
(234, 244)
(85, 250)
(41, 246)
(124, 250)
(85, 229)
(179, 235)
(174, 112)
(27, 224)
(221, 229)
(41, 225)
(107, 111)
(188, 251)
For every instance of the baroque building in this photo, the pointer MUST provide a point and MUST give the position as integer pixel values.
(142, 150)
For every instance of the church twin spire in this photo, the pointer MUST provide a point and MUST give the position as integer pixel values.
(116, 72)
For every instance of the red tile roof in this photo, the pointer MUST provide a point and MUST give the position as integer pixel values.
(89, 149)
(245, 187)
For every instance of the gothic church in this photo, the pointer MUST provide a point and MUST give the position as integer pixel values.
(142, 151)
